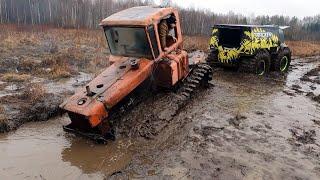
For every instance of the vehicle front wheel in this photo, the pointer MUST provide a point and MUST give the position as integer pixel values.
(283, 61)
(262, 63)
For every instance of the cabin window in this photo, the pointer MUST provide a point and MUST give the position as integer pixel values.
(128, 41)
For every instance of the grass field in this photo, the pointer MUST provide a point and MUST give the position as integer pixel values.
(49, 52)
(304, 49)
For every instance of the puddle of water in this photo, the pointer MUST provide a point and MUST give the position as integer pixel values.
(301, 68)
(42, 150)
(55, 87)
(69, 84)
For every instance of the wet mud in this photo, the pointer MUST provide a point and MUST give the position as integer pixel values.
(19, 110)
(240, 129)
(243, 127)
(37, 100)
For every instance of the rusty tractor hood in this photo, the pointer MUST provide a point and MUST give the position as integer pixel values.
(107, 89)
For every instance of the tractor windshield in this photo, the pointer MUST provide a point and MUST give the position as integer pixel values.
(128, 41)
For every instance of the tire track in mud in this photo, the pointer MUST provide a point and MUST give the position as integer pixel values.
(240, 129)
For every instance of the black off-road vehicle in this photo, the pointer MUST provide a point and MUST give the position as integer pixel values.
(250, 48)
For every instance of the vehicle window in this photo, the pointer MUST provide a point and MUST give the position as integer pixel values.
(230, 37)
(153, 39)
(281, 35)
(128, 41)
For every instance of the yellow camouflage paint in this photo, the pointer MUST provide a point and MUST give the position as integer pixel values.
(258, 38)
(226, 55)
(214, 39)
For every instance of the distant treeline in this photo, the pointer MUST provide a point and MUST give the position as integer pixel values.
(88, 14)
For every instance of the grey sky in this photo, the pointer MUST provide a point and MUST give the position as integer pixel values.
(299, 8)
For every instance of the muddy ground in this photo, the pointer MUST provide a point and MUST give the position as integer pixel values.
(246, 127)
(243, 127)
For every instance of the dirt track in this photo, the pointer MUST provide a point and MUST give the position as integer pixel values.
(246, 127)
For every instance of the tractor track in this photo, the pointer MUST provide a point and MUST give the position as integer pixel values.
(159, 118)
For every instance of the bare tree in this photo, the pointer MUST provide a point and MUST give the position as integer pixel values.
(88, 14)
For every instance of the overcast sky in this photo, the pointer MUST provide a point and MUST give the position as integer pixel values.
(299, 8)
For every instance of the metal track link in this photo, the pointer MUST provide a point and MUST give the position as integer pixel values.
(200, 75)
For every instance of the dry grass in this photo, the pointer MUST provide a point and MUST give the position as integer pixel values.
(34, 35)
(58, 65)
(2, 115)
(33, 93)
(304, 49)
(13, 77)
(14, 39)
(192, 43)
(2, 119)
(59, 72)
(52, 52)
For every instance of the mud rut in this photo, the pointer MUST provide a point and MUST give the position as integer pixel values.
(245, 127)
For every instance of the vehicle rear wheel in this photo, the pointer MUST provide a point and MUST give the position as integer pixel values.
(259, 64)
(261, 67)
(283, 61)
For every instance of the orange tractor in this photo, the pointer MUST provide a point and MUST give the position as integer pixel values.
(146, 52)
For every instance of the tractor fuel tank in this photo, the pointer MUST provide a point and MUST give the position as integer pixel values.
(171, 70)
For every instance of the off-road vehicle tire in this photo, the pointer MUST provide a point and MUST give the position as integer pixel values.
(282, 61)
(259, 64)
(212, 59)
